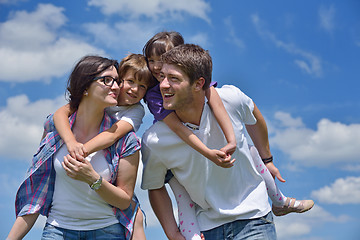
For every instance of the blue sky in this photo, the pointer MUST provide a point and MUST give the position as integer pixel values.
(298, 60)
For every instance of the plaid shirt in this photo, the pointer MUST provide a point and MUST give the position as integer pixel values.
(36, 192)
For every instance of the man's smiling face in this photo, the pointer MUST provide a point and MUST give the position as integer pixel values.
(175, 87)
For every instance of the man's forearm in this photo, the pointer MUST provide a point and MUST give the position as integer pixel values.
(259, 134)
(162, 207)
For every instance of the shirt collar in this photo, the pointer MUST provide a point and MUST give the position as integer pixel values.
(192, 126)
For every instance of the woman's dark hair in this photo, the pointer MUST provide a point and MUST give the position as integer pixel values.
(161, 43)
(83, 75)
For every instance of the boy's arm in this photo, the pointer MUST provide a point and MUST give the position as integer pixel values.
(259, 135)
(61, 122)
(162, 207)
(22, 226)
(109, 137)
(222, 118)
(216, 156)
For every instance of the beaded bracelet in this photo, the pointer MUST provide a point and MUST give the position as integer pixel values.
(267, 160)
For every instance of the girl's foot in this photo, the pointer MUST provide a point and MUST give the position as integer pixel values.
(303, 206)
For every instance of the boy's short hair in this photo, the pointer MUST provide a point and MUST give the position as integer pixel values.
(137, 63)
(193, 60)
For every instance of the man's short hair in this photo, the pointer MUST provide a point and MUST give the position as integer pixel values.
(193, 60)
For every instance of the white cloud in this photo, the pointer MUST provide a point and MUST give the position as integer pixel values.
(155, 9)
(11, 1)
(201, 39)
(22, 125)
(300, 226)
(288, 121)
(326, 18)
(32, 30)
(9, 185)
(331, 142)
(239, 43)
(308, 62)
(35, 43)
(342, 191)
(351, 167)
(120, 35)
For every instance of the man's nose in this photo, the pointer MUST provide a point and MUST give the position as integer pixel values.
(164, 83)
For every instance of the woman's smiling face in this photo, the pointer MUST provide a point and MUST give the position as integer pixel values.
(106, 95)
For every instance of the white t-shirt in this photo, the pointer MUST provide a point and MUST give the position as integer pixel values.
(222, 195)
(132, 114)
(75, 205)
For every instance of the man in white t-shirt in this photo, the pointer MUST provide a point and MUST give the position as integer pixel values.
(231, 203)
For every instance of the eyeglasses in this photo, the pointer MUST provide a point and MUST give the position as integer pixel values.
(109, 81)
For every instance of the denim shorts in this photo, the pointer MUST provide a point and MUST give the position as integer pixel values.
(115, 231)
(253, 229)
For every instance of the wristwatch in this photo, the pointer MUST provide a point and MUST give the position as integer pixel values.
(97, 184)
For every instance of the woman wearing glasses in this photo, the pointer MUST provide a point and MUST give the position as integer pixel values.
(91, 198)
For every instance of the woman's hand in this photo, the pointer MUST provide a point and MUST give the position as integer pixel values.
(81, 170)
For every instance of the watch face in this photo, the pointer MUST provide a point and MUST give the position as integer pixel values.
(96, 185)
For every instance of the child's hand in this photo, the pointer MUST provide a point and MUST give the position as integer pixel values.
(229, 148)
(76, 150)
(221, 159)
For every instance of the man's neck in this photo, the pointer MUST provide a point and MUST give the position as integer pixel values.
(191, 113)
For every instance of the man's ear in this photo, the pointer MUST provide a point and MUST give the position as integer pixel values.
(199, 83)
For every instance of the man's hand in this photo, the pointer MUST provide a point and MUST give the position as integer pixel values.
(177, 236)
(274, 171)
